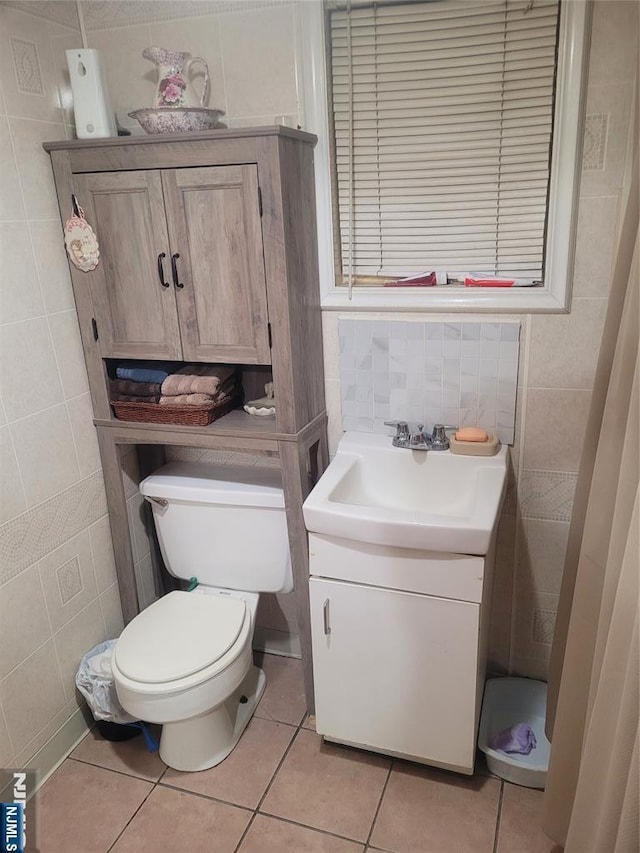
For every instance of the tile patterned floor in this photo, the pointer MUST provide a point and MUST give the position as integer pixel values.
(282, 790)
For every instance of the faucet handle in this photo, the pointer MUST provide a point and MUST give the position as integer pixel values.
(402, 427)
(402, 436)
(439, 435)
(443, 428)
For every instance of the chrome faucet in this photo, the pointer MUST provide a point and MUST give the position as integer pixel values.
(420, 439)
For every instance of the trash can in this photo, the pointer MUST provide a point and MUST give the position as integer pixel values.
(94, 680)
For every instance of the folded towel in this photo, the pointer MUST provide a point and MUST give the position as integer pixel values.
(189, 400)
(197, 379)
(519, 738)
(137, 389)
(145, 371)
(134, 398)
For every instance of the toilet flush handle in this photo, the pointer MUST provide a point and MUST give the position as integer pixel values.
(163, 503)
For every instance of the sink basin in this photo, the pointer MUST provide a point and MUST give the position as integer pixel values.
(384, 495)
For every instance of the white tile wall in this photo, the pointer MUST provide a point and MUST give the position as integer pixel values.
(248, 46)
(46, 453)
(31, 695)
(22, 603)
(68, 579)
(457, 373)
(51, 489)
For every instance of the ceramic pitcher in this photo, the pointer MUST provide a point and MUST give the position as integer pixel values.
(174, 86)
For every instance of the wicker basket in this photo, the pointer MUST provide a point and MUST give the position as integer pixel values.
(154, 413)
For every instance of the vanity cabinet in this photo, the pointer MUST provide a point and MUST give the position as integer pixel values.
(399, 648)
(181, 272)
(208, 253)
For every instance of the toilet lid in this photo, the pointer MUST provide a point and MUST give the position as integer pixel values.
(178, 635)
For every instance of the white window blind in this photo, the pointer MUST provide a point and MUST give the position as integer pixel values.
(443, 118)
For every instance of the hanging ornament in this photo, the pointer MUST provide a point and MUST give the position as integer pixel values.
(80, 240)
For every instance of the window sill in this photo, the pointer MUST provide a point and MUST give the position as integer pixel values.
(449, 299)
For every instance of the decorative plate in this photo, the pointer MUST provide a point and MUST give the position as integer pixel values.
(81, 243)
(261, 411)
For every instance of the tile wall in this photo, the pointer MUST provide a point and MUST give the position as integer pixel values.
(461, 374)
(58, 590)
(248, 45)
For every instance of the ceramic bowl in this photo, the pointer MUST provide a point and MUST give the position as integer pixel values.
(177, 120)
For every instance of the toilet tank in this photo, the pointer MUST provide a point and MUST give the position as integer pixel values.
(223, 524)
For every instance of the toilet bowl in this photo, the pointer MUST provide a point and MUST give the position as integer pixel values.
(186, 661)
(203, 694)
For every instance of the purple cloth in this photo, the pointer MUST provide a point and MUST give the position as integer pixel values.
(519, 738)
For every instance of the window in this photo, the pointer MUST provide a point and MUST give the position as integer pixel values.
(454, 134)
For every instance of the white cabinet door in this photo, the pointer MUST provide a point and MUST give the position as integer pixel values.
(395, 670)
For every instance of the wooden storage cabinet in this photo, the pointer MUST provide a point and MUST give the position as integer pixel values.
(208, 253)
(182, 270)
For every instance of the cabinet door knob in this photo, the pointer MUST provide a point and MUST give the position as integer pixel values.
(325, 616)
(161, 257)
(174, 271)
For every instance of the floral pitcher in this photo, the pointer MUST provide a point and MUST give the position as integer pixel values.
(174, 86)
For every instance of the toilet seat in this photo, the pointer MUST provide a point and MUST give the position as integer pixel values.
(179, 636)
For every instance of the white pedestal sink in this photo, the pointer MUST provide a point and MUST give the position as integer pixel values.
(401, 547)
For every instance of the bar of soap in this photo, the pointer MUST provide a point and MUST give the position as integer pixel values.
(472, 434)
(475, 448)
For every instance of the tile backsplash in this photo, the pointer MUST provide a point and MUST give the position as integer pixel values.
(457, 373)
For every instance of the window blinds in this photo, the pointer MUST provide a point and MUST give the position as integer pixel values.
(442, 117)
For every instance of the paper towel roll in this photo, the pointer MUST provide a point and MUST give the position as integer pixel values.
(91, 106)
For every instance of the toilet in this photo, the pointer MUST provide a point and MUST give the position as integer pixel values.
(186, 661)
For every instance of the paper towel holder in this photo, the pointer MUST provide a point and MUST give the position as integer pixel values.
(94, 116)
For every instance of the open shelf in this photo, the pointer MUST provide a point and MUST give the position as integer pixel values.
(236, 422)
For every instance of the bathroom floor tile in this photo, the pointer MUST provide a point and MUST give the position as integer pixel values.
(328, 787)
(129, 756)
(243, 776)
(84, 808)
(433, 811)
(174, 820)
(268, 835)
(283, 699)
(521, 822)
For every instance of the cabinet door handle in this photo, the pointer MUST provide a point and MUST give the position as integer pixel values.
(325, 616)
(174, 271)
(161, 257)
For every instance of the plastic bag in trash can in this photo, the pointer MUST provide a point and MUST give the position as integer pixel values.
(94, 680)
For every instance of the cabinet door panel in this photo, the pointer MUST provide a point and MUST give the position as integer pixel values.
(397, 671)
(135, 314)
(214, 225)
